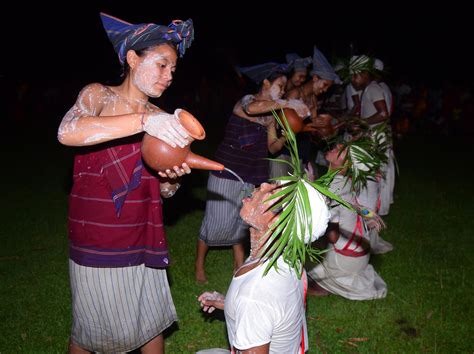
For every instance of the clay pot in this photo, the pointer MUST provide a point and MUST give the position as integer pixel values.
(295, 122)
(324, 127)
(160, 156)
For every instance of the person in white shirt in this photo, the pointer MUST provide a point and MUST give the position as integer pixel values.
(387, 182)
(345, 270)
(375, 112)
(352, 99)
(265, 313)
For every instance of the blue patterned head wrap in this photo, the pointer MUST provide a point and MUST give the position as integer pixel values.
(322, 68)
(125, 36)
(260, 72)
(296, 63)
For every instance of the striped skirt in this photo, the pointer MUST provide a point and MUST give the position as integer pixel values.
(119, 309)
(222, 224)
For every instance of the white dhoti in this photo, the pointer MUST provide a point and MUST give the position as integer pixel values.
(368, 197)
(387, 184)
(345, 270)
(377, 244)
(350, 277)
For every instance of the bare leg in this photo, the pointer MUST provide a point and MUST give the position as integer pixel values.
(239, 255)
(201, 251)
(155, 346)
(75, 349)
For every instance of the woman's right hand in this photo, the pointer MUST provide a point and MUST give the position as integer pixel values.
(166, 127)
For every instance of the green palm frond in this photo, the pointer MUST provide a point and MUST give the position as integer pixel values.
(287, 233)
(365, 156)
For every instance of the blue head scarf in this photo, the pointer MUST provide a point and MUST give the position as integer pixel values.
(260, 72)
(322, 68)
(125, 36)
(296, 63)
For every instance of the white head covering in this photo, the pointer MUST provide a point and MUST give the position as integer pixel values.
(378, 64)
(319, 214)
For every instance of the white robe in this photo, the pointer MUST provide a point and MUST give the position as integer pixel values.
(351, 277)
(369, 198)
(387, 184)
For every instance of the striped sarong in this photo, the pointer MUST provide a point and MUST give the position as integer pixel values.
(222, 224)
(119, 309)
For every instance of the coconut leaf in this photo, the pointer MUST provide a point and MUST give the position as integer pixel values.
(279, 160)
(287, 233)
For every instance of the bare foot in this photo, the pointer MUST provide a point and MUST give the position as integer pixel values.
(315, 290)
(201, 277)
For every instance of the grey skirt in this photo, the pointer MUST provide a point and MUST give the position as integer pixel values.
(119, 309)
(222, 224)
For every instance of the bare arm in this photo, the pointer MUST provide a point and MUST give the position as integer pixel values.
(274, 142)
(381, 115)
(82, 125)
(332, 232)
(85, 125)
(356, 109)
(258, 106)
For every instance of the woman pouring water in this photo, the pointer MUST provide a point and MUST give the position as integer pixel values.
(249, 136)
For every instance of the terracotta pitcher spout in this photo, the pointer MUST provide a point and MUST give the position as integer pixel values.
(160, 156)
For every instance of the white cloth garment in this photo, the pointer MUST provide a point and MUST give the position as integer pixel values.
(350, 91)
(350, 277)
(345, 270)
(375, 92)
(266, 309)
(369, 198)
(387, 94)
(387, 184)
(372, 93)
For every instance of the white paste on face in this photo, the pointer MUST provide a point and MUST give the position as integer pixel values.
(154, 74)
(278, 88)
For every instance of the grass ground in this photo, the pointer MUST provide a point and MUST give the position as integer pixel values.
(429, 274)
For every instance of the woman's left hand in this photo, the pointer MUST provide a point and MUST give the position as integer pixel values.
(175, 172)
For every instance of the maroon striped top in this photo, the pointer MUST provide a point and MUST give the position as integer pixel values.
(99, 237)
(244, 150)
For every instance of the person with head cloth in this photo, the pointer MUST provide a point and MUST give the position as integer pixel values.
(375, 112)
(250, 135)
(345, 270)
(323, 77)
(297, 74)
(387, 182)
(298, 70)
(265, 303)
(121, 299)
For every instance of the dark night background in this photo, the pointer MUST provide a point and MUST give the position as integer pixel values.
(60, 48)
